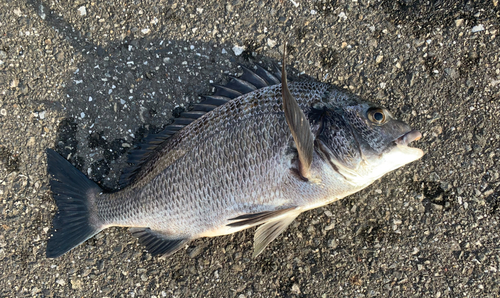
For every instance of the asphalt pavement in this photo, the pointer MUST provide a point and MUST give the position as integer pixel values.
(92, 78)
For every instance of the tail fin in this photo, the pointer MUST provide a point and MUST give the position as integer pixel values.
(71, 190)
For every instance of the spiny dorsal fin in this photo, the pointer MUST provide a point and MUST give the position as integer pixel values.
(298, 123)
(249, 81)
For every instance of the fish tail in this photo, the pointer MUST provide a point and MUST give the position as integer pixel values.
(74, 193)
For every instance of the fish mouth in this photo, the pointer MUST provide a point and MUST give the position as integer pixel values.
(403, 141)
(407, 138)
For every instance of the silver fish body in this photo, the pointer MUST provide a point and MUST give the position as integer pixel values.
(238, 166)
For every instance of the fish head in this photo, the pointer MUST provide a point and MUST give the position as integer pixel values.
(383, 140)
(364, 141)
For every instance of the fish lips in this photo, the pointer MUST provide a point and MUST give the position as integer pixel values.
(403, 141)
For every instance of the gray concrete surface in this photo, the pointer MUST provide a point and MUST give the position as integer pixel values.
(91, 78)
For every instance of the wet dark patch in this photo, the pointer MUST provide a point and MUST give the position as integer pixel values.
(9, 160)
(152, 112)
(434, 194)
(66, 142)
(284, 289)
(291, 50)
(329, 57)
(432, 63)
(251, 46)
(268, 265)
(95, 140)
(424, 16)
(464, 254)
(114, 150)
(405, 109)
(301, 32)
(171, 16)
(470, 62)
(371, 233)
(356, 280)
(493, 201)
(176, 113)
(92, 242)
(325, 7)
(100, 169)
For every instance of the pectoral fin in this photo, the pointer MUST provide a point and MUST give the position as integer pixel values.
(253, 219)
(298, 123)
(267, 232)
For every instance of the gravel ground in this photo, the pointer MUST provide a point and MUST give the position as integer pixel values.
(91, 78)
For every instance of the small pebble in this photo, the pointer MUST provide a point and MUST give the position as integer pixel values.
(82, 11)
(271, 43)
(238, 50)
(477, 28)
(14, 83)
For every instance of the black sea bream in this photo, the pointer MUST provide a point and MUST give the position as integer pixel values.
(256, 153)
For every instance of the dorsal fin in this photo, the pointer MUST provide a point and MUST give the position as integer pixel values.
(249, 81)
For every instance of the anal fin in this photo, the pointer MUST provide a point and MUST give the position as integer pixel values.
(273, 224)
(267, 232)
(157, 243)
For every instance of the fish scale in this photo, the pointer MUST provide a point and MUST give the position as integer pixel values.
(244, 163)
(178, 193)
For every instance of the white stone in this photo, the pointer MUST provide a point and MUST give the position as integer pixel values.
(271, 43)
(82, 11)
(477, 28)
(238, 50)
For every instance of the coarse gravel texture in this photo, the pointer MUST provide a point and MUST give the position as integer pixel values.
(92, 78)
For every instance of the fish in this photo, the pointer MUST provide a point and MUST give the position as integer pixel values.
(258, 152)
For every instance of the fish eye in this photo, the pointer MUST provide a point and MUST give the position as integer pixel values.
(377, 115)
